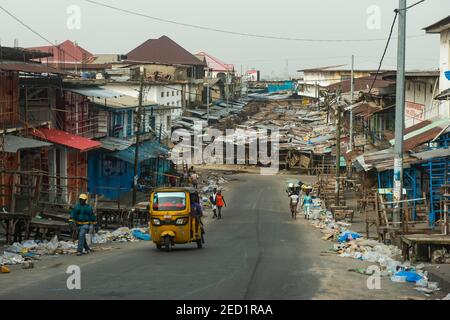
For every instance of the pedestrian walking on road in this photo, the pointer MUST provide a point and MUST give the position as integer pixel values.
(220, 202)
(185, 177)
(82, 215)
(194, 180)
(306, 203)
(293, 203)
(213, 200)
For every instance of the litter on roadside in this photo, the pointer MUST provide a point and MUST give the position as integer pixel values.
(22, 253)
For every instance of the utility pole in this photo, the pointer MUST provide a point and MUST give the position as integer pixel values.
(399, 112)
(138, 132)
(316, 92)
(338, 148)
(207, 101)
(352, 92)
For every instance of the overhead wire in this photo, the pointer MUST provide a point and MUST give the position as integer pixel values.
(36, 32)
(384, 52)
(101, 4)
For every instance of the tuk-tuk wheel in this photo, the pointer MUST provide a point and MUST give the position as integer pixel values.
(158, 246)
(167, 243)
(199, 244)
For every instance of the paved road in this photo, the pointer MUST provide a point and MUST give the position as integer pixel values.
(255, 252)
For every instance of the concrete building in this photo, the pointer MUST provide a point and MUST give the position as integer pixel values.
(442, 28)
(168, 98)
(215, 67)
(313, 79)
(421, 88)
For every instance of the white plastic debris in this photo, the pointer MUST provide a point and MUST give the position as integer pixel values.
(399, 279)
(12, 258)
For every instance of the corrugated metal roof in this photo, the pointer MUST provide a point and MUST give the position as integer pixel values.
(14, 143)
(362, 84)
(147, 150)
(381, 160)
(115, 144)
(431, 154)
(28, 67)
(66, 139)
(422, 135)
(21, 54)
(214, 63)
(67, 51)
(122, 102)
(444, 95)
(96, 92)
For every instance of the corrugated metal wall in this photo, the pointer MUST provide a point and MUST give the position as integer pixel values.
(9, 98)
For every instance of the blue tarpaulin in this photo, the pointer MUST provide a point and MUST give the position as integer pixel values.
(286, 86)
(141, 236)
(410, 276)
(147, 150)
(349, 235)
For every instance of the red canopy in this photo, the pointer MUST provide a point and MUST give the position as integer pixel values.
(66, 139)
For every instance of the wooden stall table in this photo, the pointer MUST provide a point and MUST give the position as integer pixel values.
(46, 228)
(113, 217)
(414, 241)
(11, 222)
(141, 214)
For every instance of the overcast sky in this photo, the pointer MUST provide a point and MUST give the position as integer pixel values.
(107, 31)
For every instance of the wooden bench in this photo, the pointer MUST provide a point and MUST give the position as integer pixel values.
(14, 225)
(47, 229)
(413, 242)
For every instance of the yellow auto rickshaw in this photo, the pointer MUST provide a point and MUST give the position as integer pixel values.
(171, 221)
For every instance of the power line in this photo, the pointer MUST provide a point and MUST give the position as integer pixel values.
(384, 52)
(229, 31)
(413, 5)
(35, 32)
(389, 39)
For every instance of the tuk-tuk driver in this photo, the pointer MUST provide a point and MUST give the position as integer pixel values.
(196, 212)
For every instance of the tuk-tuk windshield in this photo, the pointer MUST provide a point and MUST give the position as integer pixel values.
(169, 201)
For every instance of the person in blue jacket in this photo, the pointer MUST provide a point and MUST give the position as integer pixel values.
(82, 215)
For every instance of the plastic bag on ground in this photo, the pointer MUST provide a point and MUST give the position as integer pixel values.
(30, 244)
(410, 276)
(399, 279)
(12, 258)
(348, 236)
(138, 234)
(15, 248)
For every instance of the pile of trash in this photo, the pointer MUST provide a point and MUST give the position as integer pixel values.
(122, 234)
(351, 244)
(440, 256)
(23, 253)
(20, 253)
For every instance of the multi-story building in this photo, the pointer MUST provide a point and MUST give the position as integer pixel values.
(442, 28)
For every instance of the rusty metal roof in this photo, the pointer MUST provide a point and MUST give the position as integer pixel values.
(362, 84)
(423, 132)
(28, 67)
(421, 138)
(21, 54)
(365, 110)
